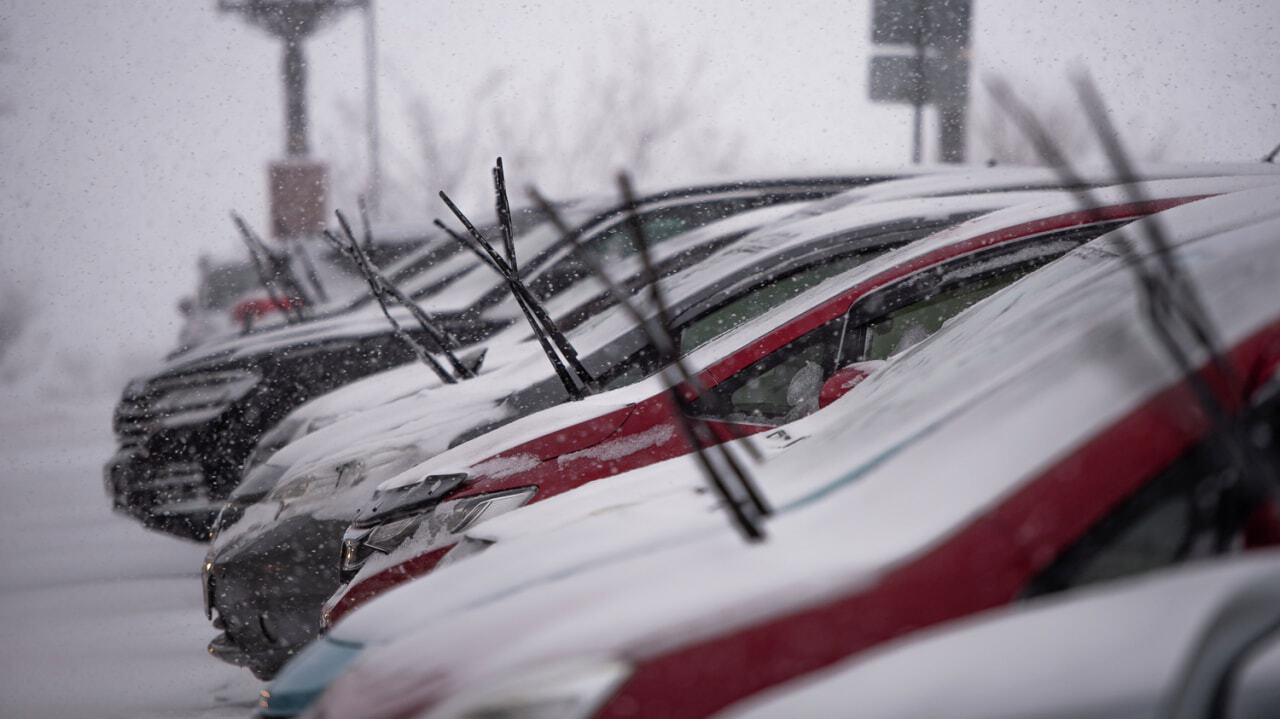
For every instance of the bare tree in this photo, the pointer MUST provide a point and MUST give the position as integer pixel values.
(640, 110)
(997, 140)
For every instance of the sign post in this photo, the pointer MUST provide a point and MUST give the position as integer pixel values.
(926, 64)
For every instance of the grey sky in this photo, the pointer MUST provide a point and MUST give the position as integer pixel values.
(134, 127)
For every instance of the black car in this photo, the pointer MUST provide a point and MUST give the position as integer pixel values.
(186, 431)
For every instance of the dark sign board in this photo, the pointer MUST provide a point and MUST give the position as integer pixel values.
(943, 24)
(896, 78)
(299, 190)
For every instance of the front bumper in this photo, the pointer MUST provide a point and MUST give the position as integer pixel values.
(268, 590)
(170, 495)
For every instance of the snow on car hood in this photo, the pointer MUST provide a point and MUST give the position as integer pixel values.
(879, 493)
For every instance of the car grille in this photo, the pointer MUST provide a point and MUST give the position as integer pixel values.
(177, 400)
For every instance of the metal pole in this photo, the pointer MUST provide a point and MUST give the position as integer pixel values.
(917, 120)
(951, 132)
(371, 110)
(295, 94)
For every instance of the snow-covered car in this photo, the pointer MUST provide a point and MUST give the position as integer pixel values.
(1059, 435)
(186, 430)
(774, 370)
(1193, 642)
(268, 573)
(230, 298)
(936, 184)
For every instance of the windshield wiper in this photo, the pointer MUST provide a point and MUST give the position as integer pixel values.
(376, 288)
(266, 277)
(544, 328)
(1170, 301)
(445, 342)
(736, 488)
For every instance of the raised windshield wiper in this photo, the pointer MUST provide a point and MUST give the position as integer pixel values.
(726, 475)
(544, 328)
(445, 342)
(265, 277)
(1171, 302)
(376, 288)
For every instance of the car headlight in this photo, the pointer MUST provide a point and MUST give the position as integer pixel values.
(442, 518)
(291, 490)
(571, 690)
(462, 514)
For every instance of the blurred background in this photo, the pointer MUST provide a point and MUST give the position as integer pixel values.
(129, 131)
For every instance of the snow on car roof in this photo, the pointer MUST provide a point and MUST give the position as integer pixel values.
(678, 594)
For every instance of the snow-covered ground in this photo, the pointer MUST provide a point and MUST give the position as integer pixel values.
(98, 616)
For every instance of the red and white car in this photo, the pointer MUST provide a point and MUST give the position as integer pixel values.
(1198, 641)
(1048, 440)
(777, 368)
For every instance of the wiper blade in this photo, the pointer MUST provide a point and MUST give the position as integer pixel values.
(544, 328)
(503, 209)
(399, 331)
(445, 342)
(1170, 300)
(265, 277)
(746, 504)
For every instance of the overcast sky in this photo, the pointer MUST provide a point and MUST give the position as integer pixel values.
(131, 129)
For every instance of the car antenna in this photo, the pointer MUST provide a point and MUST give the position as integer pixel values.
(399, 331)
(264, 277)
(745, 515)
(445, 342)
(1270, 157)
(1161, 291)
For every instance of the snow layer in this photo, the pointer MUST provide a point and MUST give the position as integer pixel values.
(98, 617)
(645, 604)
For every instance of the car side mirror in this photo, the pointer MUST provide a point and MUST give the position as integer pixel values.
(845, 379)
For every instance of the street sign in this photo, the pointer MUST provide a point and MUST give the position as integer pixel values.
(299, 192)
(897, 78)
(942, 24)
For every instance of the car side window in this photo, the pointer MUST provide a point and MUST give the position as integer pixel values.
(616, 242)
(1196, 506)
(1157, 526)
(787, 384)
(781, 387)
(761, 299)
(908, 325)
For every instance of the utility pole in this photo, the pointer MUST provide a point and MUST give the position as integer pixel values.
(298, 185)
(374, 192)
